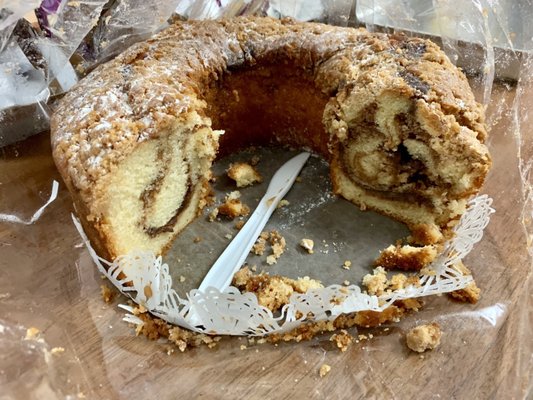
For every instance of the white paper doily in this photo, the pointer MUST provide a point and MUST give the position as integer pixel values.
(147, 281)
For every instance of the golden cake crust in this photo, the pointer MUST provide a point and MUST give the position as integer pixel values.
(175, 78)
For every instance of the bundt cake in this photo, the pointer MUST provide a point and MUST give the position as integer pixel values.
(134, 140)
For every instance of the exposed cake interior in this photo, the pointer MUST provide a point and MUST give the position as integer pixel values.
(395, 119)
(386, 155)
(159, 188)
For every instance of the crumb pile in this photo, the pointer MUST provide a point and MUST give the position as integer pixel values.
(274, 291)
(277, 243)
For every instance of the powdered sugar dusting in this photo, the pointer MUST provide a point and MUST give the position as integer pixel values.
(159, 83)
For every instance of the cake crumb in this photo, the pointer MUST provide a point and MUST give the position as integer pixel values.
(342, 340)
(260, 244)
(324, 370)
(347, 264)
(259, 247)
(243, 347)
(303, 285)
(213, 215)
(272, 292)
(255, 160)
(182, 278)
(376, 283)
(283, 203)
(228, 236)
(239, 224)
(233, 195)
(424, 337)
(154, 328)
(271, 259)
(244, 174)
(407, 258)
(471, 293)
(32, 333)
(197, 239)
(108, 294)
(233, 208)
(308, 245)
(397, 282)
(346, 283)
(57, 350)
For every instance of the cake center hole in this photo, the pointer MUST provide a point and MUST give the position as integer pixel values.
(268, 104)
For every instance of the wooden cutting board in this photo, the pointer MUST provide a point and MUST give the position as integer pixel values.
(48, 281)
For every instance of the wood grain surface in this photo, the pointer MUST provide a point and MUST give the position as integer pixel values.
(48, 281)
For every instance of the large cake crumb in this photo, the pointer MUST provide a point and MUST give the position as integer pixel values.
(32, 333)
(57, 351)
(260, 244)
(324, 370)
(244, 174)
(469, 294)
(213, 215)
(307, 244)
(377, 283)
(283, 203)
(233, 207)
(424, 337)
(277, 243)
(407, 258)
(342, 340)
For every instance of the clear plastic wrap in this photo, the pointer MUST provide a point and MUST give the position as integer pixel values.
(48, 279)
